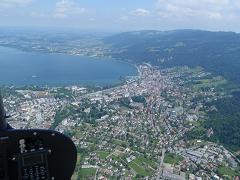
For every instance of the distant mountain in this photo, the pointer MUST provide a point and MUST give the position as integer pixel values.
(218, 52)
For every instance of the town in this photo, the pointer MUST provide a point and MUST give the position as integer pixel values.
(136, 130)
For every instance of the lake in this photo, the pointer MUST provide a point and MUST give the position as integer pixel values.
(32, 68)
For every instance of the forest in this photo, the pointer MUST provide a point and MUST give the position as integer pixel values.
(226, 121)
(217, 52)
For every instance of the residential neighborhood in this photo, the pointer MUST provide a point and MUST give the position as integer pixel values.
(136, 130)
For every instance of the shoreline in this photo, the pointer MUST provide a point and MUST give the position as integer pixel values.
(97, 58)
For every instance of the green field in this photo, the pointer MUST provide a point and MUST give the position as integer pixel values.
(86, 172)
(102, 154)
(139, 169)
(214, 82)
(172, 158)
(144, 161)
(119, 142)
(141, 166)
(226, 171)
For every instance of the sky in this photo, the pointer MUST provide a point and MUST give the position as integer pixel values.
(123, 15)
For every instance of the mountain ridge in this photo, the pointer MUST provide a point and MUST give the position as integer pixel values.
(217, 52)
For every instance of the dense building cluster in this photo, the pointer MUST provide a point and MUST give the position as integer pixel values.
(134, 130)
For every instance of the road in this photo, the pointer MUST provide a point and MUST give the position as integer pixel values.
(161, 164)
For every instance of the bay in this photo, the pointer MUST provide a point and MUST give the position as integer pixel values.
(34, 68)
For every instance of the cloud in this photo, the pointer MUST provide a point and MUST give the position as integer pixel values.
(65, 8)
(39, 14)
(215, 15)
(10, 3)
(124, 18)
(140, 12)
(201, 9)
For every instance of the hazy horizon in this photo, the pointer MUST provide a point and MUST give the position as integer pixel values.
(100, 31)
(118, 16)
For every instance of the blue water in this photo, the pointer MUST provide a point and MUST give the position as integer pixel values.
(33, 68)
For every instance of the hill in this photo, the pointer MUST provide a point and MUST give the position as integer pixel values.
(218, 52)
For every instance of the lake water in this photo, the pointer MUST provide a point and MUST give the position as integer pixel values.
(33, 68)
